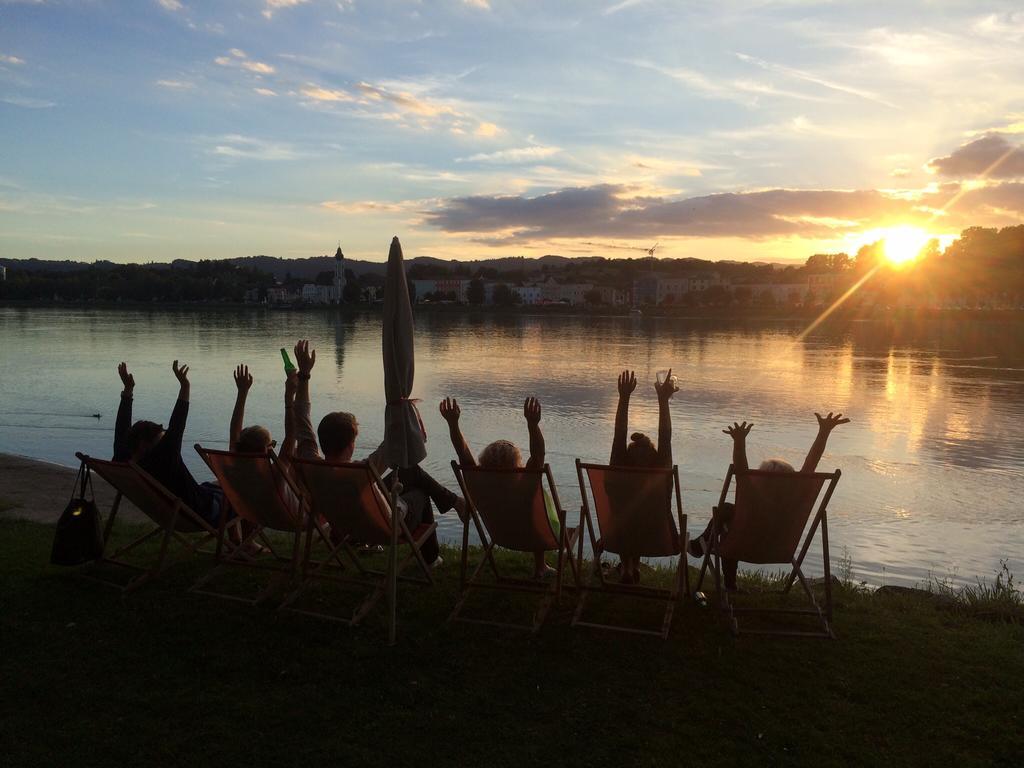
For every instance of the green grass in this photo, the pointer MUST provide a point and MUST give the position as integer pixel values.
(163, 677)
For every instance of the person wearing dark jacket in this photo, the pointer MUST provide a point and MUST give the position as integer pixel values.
(158, 450)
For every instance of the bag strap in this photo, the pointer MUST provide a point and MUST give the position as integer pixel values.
(83, 482)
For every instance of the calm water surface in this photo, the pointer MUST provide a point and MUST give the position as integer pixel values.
(932, 463)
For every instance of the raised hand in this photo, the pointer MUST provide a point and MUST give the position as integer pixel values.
(667, 388)
(126, 378)
(531, 410)
(305, 357)
(627, 383)
(243, 379)
(180, 373)
(739, 431)
(830, 422)
(450, 410)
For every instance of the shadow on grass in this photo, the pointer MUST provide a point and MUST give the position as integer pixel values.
(166, 677)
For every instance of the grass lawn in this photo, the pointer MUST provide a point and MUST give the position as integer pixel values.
(163, 677)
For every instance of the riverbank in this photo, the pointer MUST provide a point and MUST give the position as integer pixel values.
(729, 312)
(172, 678)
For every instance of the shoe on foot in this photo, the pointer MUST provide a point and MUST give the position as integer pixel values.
(437, 563)
(547, 573)
(696, 547)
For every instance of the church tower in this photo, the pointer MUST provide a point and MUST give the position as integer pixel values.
(339, 275)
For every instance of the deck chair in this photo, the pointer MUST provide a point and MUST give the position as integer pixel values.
(353, 500)
(509, 510)
(263, 496)
(632, 508)
(175, 521)
(770, 515)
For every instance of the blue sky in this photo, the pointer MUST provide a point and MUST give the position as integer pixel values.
(157, 129)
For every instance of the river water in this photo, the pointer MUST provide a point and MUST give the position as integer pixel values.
(932, 462)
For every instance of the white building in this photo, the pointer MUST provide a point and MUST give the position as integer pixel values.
(530, 295)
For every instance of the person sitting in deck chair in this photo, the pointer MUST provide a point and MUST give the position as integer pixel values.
(504, 454)
(641, 452)
(257, 438)
(337, 434)
(738, 433)
(158, 451)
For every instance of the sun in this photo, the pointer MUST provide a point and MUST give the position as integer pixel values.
(903, 244)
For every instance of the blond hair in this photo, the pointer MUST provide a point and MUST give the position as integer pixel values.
(776, 465)
(501, 454)
(254, 439)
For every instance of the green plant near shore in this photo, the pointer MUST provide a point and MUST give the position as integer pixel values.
(1000, 599)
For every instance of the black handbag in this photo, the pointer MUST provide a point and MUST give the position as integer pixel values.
(79, 538)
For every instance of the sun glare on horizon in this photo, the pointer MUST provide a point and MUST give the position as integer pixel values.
(903, 244)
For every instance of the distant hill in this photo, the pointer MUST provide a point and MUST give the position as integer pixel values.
(310, 267)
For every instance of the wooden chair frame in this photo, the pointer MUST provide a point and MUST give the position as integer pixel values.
(725, 602)
(184, 527)
(680, 582)
(282, 568)
(546, 592)
(376, 581)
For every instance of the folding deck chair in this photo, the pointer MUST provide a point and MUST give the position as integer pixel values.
(353, 500)
(770, 515)
(633, 510)
(509, 510)
(259, 491)
(175, 520)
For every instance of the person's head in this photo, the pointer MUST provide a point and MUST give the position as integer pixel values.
(641, 451)
(776, 465)
(337, 433)
(142, 436)
(501, 454)
(254, 439)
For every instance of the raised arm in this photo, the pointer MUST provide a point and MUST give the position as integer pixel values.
(179, 416)
(450, 411)
(825, 426)
(305, 437)
(291, 382)
(124, 415)
(738, 433)
(627, 383)
(665, 391)
(531, 411)
(243, 381)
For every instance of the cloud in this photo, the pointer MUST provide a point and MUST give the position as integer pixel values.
(403, 103)
(518, 155)
(176, 85)
(236, 146)
(276, 5)
(8, 59)
(740, 90)
(991, 156)
(265, 92)
(483, 5)
(800, 74)
(28, 102)
(317, 93)
(238, 58)
(487, 130)
(366, 206)
(171, 5)
(610, 210)
(621, 6)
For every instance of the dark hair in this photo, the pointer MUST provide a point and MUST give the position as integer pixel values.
(143, 433)
(337, 432)
(254, 439)
(641, 451)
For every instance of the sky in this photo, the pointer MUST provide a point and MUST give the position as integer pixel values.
(148, 130)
